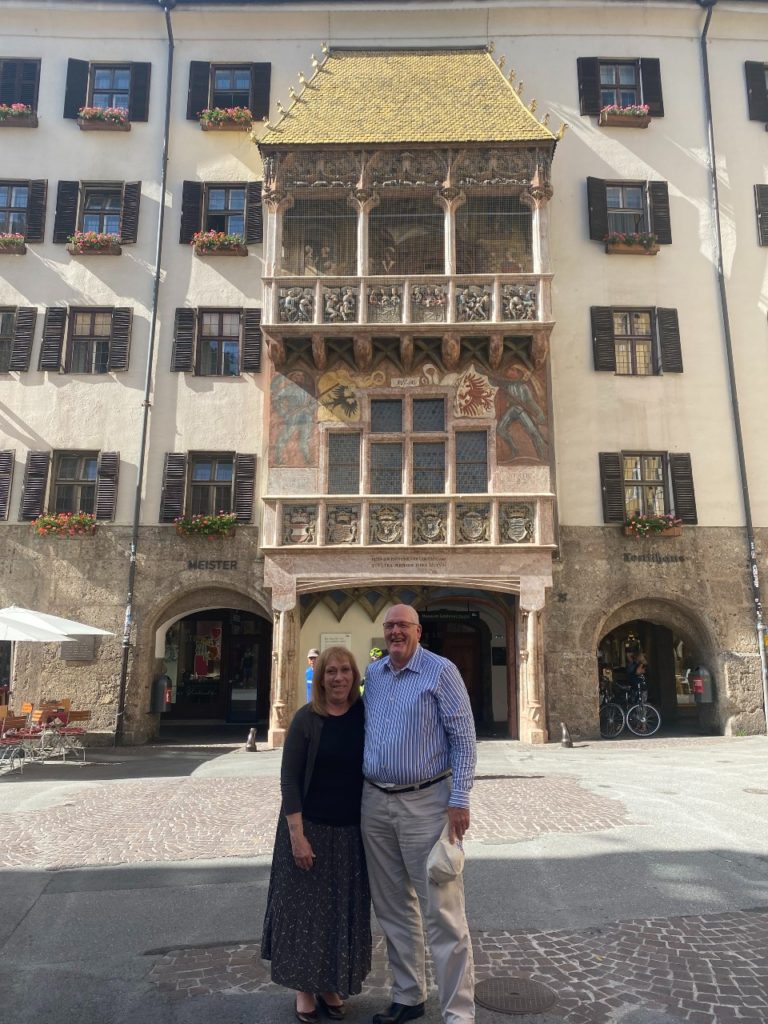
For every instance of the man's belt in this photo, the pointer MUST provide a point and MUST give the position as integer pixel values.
(410, 789)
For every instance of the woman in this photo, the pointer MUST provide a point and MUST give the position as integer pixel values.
(317, 926)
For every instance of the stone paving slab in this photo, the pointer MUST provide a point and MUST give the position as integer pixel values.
(702, 969)
(165, 820)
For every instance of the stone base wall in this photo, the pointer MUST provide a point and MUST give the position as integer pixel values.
(696, 584)
(86, 578)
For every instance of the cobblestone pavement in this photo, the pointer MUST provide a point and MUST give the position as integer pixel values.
(704, 969)
(163, 820)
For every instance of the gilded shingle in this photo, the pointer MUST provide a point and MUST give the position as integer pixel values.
(375, 97)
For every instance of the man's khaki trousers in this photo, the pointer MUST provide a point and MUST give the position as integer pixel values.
(399, 830)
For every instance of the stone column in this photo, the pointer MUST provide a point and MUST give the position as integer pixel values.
(533, 723)
(364, 201)
(284, 644)
(275, 202)
(450, 199)
(537, 198)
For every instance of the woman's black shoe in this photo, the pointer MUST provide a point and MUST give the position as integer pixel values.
(306, 1018)
(399, 1014)
(334, 1012)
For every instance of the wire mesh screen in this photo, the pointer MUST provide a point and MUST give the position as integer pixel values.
(386, 416)
(428, 415)
(429, 467)
(472, 462)
(320, 237)
(406, 236)
(493, 236)
(343, 463)
(386, 468)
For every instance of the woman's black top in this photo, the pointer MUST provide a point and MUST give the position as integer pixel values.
(336, 789)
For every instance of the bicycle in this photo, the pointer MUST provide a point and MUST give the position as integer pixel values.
(640, 718)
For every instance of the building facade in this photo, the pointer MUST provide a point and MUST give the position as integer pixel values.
(416, 340)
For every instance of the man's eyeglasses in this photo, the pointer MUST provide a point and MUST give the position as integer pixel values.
(399, 625)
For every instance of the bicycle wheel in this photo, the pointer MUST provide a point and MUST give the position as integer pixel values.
(611, 721)
(643, 719)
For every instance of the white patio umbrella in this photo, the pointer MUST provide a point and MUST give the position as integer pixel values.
(15, 631)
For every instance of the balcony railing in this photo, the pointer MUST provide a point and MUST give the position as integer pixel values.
(398, 521)
(476, 300)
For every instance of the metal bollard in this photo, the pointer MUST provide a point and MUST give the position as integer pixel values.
(250, 743)
(566, 741)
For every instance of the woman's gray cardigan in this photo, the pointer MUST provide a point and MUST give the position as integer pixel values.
(299, 756)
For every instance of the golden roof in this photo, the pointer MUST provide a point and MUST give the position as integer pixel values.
(375, 97)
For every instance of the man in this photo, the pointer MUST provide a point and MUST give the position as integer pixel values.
(419, 765)
(312, 655)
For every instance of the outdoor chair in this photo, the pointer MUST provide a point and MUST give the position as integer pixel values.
(72, 735)
(12, 751)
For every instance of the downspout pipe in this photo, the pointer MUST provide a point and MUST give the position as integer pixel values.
(167, 6)
(754, 573)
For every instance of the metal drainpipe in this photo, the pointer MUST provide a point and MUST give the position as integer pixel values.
(167, 6)
(754, 574)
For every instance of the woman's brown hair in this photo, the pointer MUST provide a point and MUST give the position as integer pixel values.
(318, 690)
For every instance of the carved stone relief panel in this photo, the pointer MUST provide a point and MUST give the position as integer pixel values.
(495, 167)
(299, 524)
(342, 524)
(385, 304)
(296, 305)
(340, 305)
(473, 523)
(430, 524)
(386, 524)
(428, 303)
(390, 168)
(518, 302)
(516, 523)
(321, 170)
(473, 303)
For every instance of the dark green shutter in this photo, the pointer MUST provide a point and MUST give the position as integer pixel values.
(245, 481)
(588, 73)
(683, 497)
(757, 90)
(182, 354)
(120, 342)
(35, 485)
(761, 208)
(254, 228)
(107, 471)
(598, 209)
(191, 210)
(129, 221)
(650, 76)
(199, 85)
(6, 479)
(138, 103)
(38, 194)
(174, 486)
(76, 92)
(661, 223)
(23, 335)
(603, 344)
(65, 220)
(261, 75)
(251, 332)
(53, 338)
(612, 487)
(670, 351)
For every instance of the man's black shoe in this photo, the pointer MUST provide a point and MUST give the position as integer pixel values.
(399, 1014)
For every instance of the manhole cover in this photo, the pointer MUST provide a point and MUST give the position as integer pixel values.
(514, 995)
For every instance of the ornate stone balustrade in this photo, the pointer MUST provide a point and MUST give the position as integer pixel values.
(396, 521)
(491, 299)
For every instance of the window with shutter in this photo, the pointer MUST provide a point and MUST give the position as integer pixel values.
(647, 483)
(631, 207)
(681, 472)
(254, 225)
(211, 476)
(129, 219)
(182, 354)
(74, 482)
(120, 342)
(14, 207)
(261, 75)
(757, 90)
(218, 343)
(110, 86)
(245, 482)
(7, 459)
(23, 336)
(54, 327)
(199, 88)
(612, 487)
(35, 485)
(174, 486)
(619, 83)
(224, 209)
(603, 345)
(7, 330)
(252, 338)
(670, 350)
(138, 104)
(191, 210)
(76, 91)
(90, 339)
(38, 195)
(65, 220)
(19, 81)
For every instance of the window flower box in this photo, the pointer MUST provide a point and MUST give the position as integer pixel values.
(226, 119)
(219, 524)
(650, 525)
(12, 245)
(637, 243)
(635, 116)
(217, 243)
(103, 119)
(17, 115)
(94, 243)
(65, 524)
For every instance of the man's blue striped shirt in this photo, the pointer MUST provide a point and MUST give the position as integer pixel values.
(418, 723)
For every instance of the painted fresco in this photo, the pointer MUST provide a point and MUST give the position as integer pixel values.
(515, 398)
